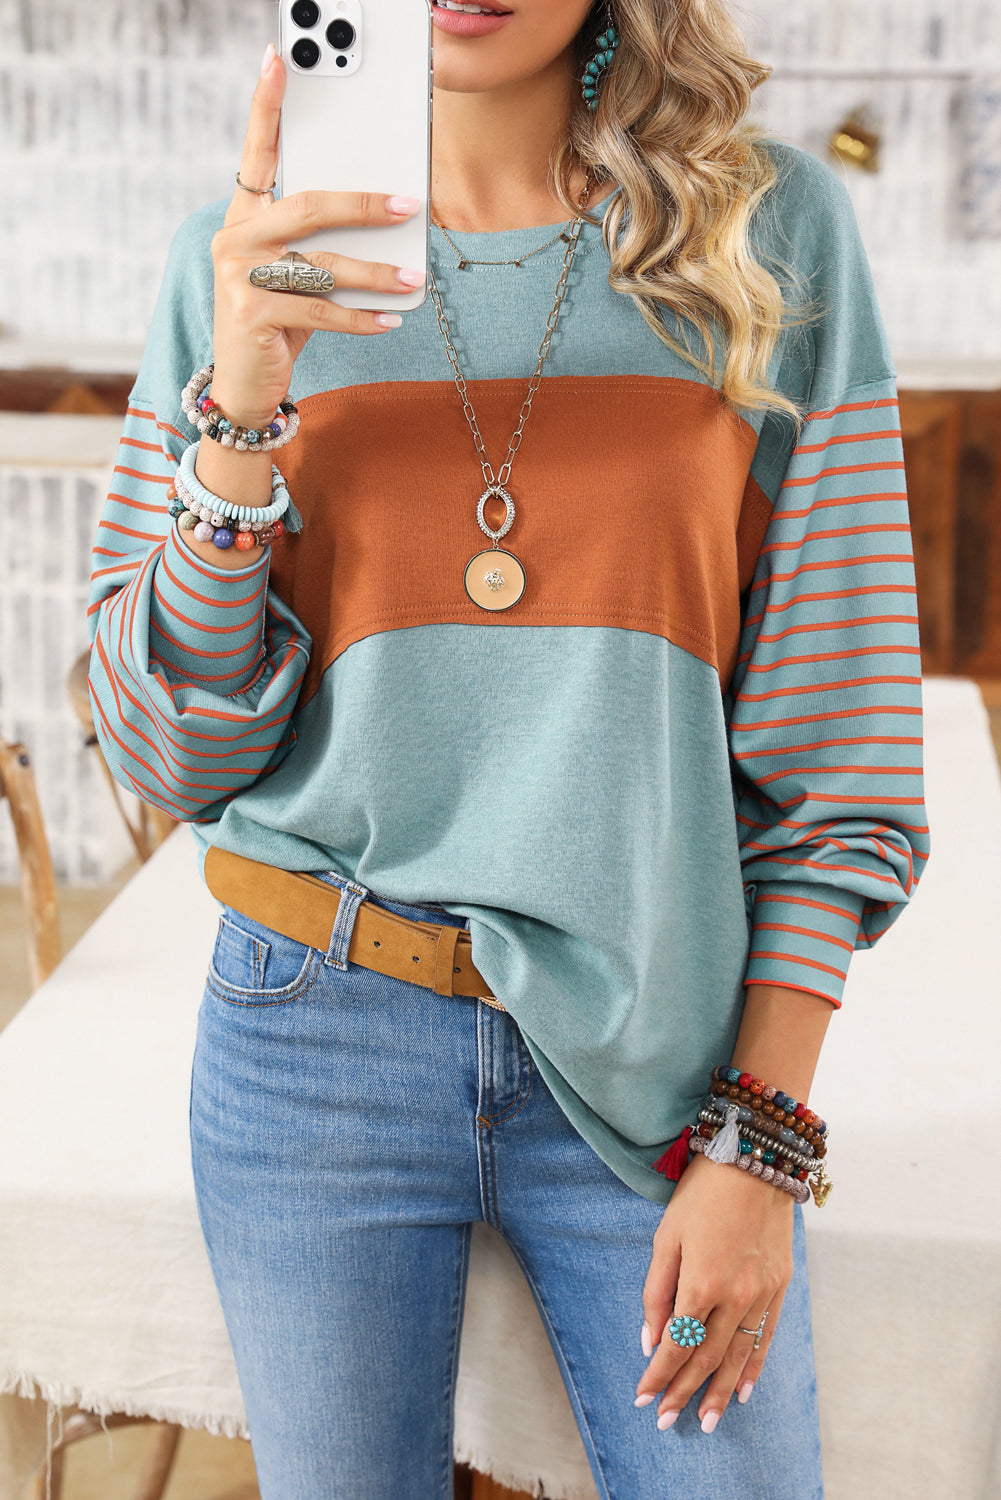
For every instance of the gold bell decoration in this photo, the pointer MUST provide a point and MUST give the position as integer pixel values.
(856, 141)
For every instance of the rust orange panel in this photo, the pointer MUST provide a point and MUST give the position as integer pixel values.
(634, 508)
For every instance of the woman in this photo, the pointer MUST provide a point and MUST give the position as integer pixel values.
(584, 820)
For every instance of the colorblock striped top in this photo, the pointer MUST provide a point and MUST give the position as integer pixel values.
(687, 760)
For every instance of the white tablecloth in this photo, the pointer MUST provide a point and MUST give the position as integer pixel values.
(106, 1298)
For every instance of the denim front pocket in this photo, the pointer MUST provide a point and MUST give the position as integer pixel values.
(252, 965)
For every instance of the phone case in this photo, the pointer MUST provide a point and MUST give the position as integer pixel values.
(360, 121)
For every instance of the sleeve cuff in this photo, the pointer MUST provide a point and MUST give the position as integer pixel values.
(803, 936)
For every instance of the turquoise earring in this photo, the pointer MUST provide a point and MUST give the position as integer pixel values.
(594, 73)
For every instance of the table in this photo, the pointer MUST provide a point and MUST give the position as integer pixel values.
(106, 1298)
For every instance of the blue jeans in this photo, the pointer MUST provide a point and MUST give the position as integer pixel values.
(347, 1129)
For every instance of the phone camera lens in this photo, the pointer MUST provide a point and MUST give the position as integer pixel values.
(340, 34)
(341, 60)
(305, 53)
(305, 13)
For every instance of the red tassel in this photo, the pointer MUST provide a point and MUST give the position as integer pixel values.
(675, 1158)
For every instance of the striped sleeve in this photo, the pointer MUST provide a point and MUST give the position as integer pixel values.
(826, 722)
(194, 669)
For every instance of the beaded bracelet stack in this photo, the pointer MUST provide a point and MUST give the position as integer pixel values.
(210, 519)
(203, 413)
(749, 1124)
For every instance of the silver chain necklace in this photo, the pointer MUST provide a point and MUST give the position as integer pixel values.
(495, 579)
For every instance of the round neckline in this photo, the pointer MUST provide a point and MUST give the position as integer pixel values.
(509, 237)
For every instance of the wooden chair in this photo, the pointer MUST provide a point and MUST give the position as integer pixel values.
(38, 884)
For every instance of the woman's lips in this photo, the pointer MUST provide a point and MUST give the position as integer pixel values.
(463, 23)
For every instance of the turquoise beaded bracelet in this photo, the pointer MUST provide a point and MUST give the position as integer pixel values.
(247, 514)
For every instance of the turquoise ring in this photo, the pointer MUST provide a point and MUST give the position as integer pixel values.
(688, 1332)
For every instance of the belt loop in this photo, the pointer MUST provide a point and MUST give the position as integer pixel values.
(351, 897)
(444, 978)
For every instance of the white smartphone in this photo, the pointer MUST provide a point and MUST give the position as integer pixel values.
(356, 117)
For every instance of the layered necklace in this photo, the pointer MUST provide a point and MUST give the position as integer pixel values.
(494, 579)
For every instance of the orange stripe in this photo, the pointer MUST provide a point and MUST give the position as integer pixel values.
(782, 984)
(137, 411)
(823, 937)
(837, 771)
(130, 442)
(143, 474)
(848, 437)
(157, 510)
(867, 739)
(131, 755)
(840, 562)
(823, 536)
(823, 687)
(816, 864)
(831, 500)
(142, 536)
(887, 649)
(857, 801)
(838, 911)
(103, 572)
(214, 679)
(169, 762)
(792, 484)
(869, 588)
(213, 603)
(780, 635)
(185, 749)
(841, 713)
(791, 958)
(820, 416)
(196, 625)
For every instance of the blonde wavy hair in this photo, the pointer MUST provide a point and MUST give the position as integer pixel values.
(670, 130)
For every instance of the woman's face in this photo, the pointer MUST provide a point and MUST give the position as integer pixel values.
(503, 44)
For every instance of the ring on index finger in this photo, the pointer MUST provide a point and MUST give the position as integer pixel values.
(248, 189)
(291, 272)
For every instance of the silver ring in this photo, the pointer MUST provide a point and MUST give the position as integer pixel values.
(247, 189)
(291, 272)
(755, 1332)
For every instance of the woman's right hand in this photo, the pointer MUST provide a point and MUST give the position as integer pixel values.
(258, 335)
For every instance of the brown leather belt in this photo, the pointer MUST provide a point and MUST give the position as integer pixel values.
(304, 909)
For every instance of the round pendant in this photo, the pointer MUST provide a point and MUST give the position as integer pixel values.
(494, 579)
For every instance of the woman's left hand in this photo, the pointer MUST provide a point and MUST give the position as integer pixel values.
(721, 1253)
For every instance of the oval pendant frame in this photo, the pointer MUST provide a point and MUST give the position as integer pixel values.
(503, 597)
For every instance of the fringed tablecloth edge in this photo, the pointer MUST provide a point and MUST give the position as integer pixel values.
(548, 1484)
(55, 1393)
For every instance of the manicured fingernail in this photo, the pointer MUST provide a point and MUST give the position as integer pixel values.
(388, 320)
(411, 278)
(402, 205)
(645, 1400)
(709, 1421)
(646, 1340)
(667, 1420)
(744, 1394)
(269, 56)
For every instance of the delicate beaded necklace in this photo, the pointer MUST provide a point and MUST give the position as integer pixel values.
(465, 260)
